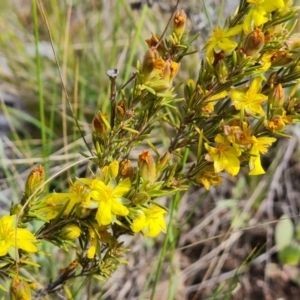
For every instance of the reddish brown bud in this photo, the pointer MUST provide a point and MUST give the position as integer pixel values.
(254, 42)
(179, 23)
(19, 289)
(151, 61)
(276, 124)
(277, 96)
(99, 124)
(35, 180)
(121, 110)
(170, 70)
(126, 169)
(281, 58)
(147, 167)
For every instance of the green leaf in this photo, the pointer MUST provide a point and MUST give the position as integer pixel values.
(160, 193)
(289, 255)
(284, 232)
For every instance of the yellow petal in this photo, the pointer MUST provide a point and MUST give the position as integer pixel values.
(217, 96)
(118, 208)
(272, 5)
(255, 166)
(139, 223)
(8, 221)
(123, 187)
(25, 239)
(259, 17)
(227, 45)
(210, 51)
(247, 25)
(114, 169)
(232, 165)
(255, 85)
(237, 95)
(233, 31)
(4, 247)
(153, 229)
(103, 215)
(92, 250)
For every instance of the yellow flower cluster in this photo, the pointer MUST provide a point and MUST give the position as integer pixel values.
(105, 196)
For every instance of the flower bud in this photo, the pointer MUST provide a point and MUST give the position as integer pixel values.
(293, 42)
(175, 183)
(126, 169)
(19, 289)
(70, 232)
(277, 96)
(140, 198)
(222, 71)
(276, 124)
(15, 209)
(254, 42)
(273, 78)
(99, 124)
(121, 110)
(35, 179)
(152, 64)
(179, 23)
(147, 167)
(163, 162)
(152, 42)
(83, 212)
(170, 70)
(281, 58)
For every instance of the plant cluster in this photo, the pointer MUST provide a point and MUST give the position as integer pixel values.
(240, 103)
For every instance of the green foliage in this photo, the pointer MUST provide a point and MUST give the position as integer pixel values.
(229, 115)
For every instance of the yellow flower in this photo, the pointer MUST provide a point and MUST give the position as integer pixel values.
(11, 236)
(260, 145)
(251, 100)
(220, 41)
(208, 177)
(109, 199)
(240, 137)
(150, 222)
(278, 122)
(258, 14)
(51, 205)
(224, 156)
(274, 58)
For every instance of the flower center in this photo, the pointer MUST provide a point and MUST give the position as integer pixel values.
(218, 33)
